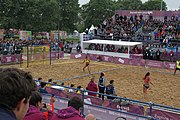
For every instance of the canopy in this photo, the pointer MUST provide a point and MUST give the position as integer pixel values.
(110, 42)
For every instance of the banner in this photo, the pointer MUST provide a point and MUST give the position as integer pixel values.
(164, 115)
(132, 108)
(25, 35)
(11, 58)
(56, 92)
(137, 62)
(153, 63)
(100, 113)
(56, 35)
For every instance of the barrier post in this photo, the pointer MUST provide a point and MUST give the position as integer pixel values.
(82, 111)
(150, 106)
(27, 56)
(50, 55)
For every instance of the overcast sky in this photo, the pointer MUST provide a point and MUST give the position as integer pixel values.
(172, 4)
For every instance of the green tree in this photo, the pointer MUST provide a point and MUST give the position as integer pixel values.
(68, 14)
(129, 4)
(34, 15)
(96, 11)
(154, 5)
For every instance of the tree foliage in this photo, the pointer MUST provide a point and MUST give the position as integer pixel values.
(154, 5)
(129, 4)
(47, 15)
(96, 11)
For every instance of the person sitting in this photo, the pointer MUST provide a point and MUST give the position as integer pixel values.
(35, 105)
(71, 89)
(72, 112)
(42, 89)
(15, 90)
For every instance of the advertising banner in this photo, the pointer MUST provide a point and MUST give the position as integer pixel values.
(137, 62)
(132, 108)
(118, 60)
(25, 35)
(164, 115)
(153, 63)
(56, 35)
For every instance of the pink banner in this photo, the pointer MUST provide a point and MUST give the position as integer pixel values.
(169, 65)
(8, 59)
(121, 60)
(156, 64)
(137, 62)
(56, 92)
(164, 115)
(93, 57)
(124, 107)
(107, 58)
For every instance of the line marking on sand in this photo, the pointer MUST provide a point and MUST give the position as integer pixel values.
(85, 75)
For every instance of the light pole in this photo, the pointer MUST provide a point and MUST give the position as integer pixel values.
(161, 5)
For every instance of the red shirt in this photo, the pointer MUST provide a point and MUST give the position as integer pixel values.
(147, 80)
(92, 86)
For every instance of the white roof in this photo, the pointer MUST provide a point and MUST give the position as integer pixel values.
(110, 42)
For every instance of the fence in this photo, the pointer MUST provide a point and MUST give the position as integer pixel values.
(111, 109)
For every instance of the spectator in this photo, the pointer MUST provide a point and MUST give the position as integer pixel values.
(78, 47)
(73, 112)
(120, 118)
(36, 105)
(110, 90)
(42, 89)
(15, 90)
(79, 88)
(49, 83)
(101, 85)
(92, 86)
(52, 100)
(90, 117)
(71, 90)
(158, 53)
(177, 66)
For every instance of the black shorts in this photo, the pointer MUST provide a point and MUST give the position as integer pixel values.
(146, 86)
(177, 68)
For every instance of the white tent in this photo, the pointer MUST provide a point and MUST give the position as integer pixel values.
(92, 28)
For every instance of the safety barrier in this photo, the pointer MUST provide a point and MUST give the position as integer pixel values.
(118, 107)
(11, 59)
(131, 61)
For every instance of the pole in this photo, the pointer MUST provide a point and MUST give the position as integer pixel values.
(27, 56)
(50, 55)
(58, 21)
(161, 5)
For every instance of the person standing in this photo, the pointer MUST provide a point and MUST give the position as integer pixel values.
(87, 63)
(101, 85)
(110, 90)
(92, 86)
(146, 84)
(177, 66)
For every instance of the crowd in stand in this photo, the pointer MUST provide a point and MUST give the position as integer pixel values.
(13, 46)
